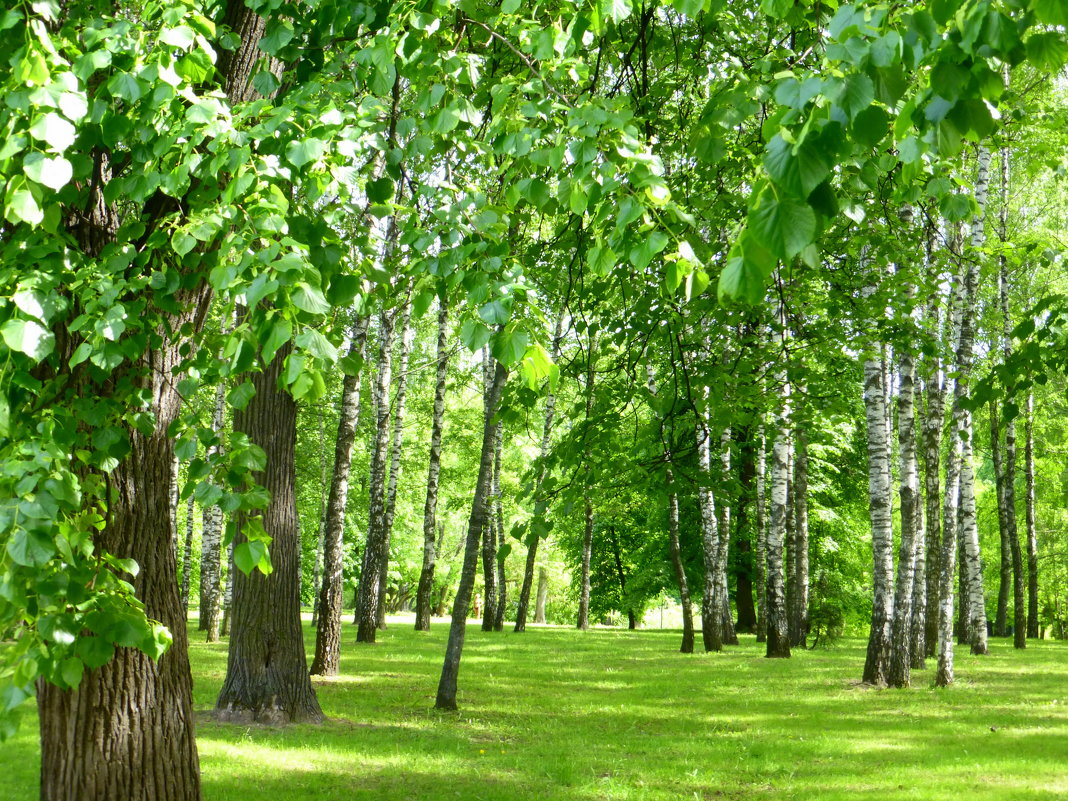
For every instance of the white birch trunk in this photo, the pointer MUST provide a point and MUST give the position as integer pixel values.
(777, 628)
(761, 540)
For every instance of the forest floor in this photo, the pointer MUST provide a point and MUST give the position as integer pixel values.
(608, 714)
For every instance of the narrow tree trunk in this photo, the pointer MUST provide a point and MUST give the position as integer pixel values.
(617, 556)
(901, 636)
(1032, 536)
(446, 698)
(187, 550)
(489, 535)
(761, 542)
(539, 502)
(711, 630)
(267, 673)
(320, 544)
(963, 308)
(934, 416)
(228, 592)
(744, 534)
(777, 627)
(799, 564)
(426, 575)
(587, 552)
(542, 596)
(371, 568)
(877, 662)
(1019, 612)
(331, 594)
(723, 600)
(211, 541)
(969, 530)
(498, 516)
(396, 450)
(1005, 573)
(174, 507)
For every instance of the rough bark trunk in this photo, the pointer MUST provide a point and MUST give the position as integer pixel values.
(446, 697)
(430, 507)
(267, 673)
(127, 731)
(799, 564)
(542, 596)
(933, 420)
(371, 567)
(539, 501)
(211, 541)
(1032, 536)
(396, 451)
(761, 542)
(777, 628)
(877, 662)
(617, 557)
(331, 594)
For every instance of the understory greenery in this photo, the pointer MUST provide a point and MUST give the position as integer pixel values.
(611, 714)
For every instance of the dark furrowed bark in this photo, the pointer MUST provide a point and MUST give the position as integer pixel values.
(267, 674)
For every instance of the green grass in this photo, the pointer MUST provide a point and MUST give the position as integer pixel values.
(557, 714)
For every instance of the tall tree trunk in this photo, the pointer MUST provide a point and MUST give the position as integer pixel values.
(498, 518)
(446, 698)
(969, 531)
(539, 502)
(371, 568)
(761, 541)
(396, 450)
(711, 628)
(674, 544)
(963, 309)
(617, 556)
(901, 635)
(430, 507)
(583, 622)
(489, 534)
(877, 662)
(933, 420)
(174, 507)
(1019, 612)
(187, 551)
(542, 596)
(1032, 536)
(320, 544)
(228, 592)
(1005, 573)
(799, 562)
(777, 627)
(723, 600)
(211, 541)
(331, 594)
(267, 673)
(744, 534)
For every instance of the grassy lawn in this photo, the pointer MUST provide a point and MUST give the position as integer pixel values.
(557, 714)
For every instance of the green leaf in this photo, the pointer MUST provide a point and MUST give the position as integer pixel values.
(249, 556)
(510, 346)
(310, 299)
(316, 344)
(797, 170)
(239, 396)
(1052, 12)
(783, 226)
(497, 312)
(19, 203)
(1047, 51)
(776, 8)
(641, 255)
(380, 190)
(30, 548)
(278, 334)
(265, 83)
(54, 172)
(304, 151)
(857, 94)
(279, 33)
(182, 242)
(29, 337)
(474, 334)
(94, 651)
(691, 8)
(71, 671)
(343, 289)
(748, 266)
(615, 10)
(125, 86)
(181, 36)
